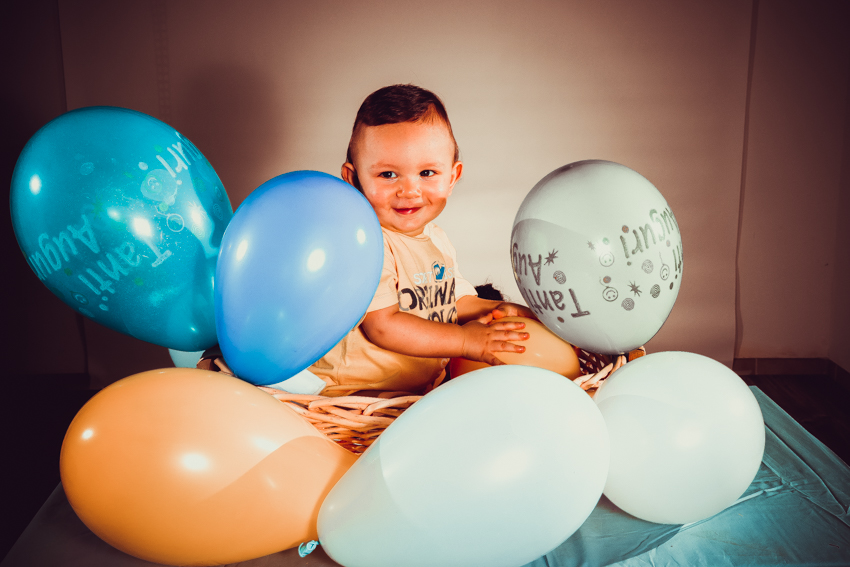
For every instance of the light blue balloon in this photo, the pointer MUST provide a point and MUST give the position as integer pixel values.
(121, 217)
(183, 359)
(299, 264)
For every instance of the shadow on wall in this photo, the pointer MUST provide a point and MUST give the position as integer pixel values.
(41, 335)
(234, 117)
(37, 325)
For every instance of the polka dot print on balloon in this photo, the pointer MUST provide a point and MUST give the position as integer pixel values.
(655, 291)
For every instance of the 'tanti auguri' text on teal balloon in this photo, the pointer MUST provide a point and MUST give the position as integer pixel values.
(121, 217)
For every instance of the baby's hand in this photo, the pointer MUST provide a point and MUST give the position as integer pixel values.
(512, 310)
(481, 340)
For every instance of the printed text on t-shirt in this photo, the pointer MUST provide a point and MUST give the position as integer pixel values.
(437, 300)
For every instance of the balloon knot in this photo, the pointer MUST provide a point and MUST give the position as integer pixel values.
(306, 549)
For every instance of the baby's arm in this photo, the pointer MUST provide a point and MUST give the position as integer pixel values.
(408, 334)
(472, 308)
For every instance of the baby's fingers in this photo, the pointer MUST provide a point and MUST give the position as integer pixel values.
(485, 319)
(512, 326)
(511, 336)
(492, 360)
(505, 346)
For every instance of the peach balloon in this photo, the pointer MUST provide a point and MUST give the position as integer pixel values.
(543, 349)
(188, 467)
(460, 366)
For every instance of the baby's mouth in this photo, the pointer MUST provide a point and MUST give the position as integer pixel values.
(409, 211)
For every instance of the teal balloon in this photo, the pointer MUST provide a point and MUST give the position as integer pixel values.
(121, 217)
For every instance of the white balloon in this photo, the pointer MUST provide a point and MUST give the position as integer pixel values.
(597, 255)
(687, 437)
(496, 468)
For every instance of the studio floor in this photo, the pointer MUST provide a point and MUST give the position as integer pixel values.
(34, 417)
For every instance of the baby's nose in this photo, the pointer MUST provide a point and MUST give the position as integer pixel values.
(408, 188)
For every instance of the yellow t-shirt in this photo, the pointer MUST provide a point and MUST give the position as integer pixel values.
(420, 275)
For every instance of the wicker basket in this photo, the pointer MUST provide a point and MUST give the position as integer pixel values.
(356, 421)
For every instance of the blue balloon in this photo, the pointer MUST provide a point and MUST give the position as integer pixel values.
(299, 264)
(121, 217)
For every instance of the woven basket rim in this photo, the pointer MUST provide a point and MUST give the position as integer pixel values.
(351, 421)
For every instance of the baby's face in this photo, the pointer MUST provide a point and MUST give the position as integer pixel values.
(406, 171)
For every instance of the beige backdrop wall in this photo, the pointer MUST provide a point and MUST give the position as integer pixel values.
(699, 97)
(265, 87)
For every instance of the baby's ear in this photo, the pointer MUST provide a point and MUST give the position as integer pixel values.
(457, 172)
(349, 174)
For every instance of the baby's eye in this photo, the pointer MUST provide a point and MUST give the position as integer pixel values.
(427, 173)
(387, 174)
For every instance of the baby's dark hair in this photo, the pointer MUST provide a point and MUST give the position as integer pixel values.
(489, 291)
(396, 104)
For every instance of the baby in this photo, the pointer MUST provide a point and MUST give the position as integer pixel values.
(404, 159)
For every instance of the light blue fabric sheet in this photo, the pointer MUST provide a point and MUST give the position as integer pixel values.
(796, 512)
